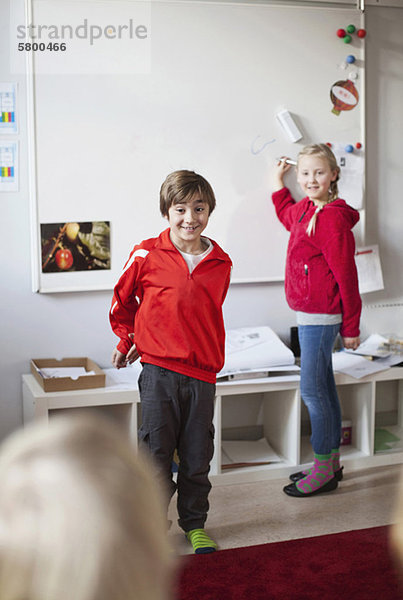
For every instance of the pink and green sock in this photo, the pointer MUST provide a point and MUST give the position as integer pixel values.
(335, 460)
(320, 473)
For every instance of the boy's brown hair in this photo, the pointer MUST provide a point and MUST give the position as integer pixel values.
(181, 186)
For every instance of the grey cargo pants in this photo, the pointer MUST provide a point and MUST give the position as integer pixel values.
(177, 413)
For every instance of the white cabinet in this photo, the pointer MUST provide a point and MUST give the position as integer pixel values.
(120, 405)
(372, 404)
(265, 408)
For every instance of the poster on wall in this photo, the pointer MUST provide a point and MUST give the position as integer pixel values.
(8, 166)
(74, 246)
(8, 111)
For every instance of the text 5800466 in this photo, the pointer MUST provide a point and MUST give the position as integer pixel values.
(41, 47)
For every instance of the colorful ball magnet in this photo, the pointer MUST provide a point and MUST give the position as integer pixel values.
(350, 59)
(350, 28)
(347, 39)
(341, 33)
(361, 33)
(349, 148)
(358, 145)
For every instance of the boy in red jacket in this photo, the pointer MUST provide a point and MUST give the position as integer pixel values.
(167, 311)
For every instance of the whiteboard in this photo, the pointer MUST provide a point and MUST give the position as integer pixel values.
(218, 75)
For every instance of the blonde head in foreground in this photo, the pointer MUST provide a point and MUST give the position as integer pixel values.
(80, 516)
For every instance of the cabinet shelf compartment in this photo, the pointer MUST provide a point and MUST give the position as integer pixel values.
(388, 437)
(120, 414)
(271, 415)
(356, 406)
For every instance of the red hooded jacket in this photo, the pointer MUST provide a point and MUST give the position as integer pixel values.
(176, 316)
(321, 275)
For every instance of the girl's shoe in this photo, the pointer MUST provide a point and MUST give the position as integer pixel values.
(320, 478)
(297, 476)
(292, 490)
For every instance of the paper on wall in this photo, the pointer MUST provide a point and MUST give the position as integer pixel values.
(351, 182)
(8, 111)
(369, 269)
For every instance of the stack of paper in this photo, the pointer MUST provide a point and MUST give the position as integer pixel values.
(374, 345)
(245, 453)
(386, 439)
(123, 379)
(72, 372)
(252, 349)
(370, 357)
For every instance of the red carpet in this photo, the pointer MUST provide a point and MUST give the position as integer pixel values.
(353, 565)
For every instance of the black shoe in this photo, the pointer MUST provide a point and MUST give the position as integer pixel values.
(292, 490)
(297, 476)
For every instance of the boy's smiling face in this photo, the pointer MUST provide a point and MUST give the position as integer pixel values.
(188, 220)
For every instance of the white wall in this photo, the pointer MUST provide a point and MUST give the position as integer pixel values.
(60, 325)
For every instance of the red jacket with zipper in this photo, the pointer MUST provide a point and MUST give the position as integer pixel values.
(321, 275)
(176, 316)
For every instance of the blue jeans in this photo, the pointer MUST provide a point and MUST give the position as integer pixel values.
(318, 388)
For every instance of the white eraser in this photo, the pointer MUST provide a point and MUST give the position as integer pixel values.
(289, 126)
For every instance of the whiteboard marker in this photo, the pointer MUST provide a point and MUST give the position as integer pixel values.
(289, 161)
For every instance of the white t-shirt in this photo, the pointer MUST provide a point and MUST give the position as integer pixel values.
(192, 260)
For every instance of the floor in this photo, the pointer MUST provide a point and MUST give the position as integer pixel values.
(259, 513)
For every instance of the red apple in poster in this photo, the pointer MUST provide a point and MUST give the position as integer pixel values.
(64, 259)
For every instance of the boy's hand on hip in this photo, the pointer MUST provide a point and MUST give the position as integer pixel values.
(351, 343)
(132, 355)
(118, 359)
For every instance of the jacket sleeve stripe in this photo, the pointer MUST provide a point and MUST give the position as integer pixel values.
(140, 252)
(124, 302)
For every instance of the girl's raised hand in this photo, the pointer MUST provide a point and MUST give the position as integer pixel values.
(278, 172)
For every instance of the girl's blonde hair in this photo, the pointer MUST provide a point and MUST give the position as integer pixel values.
(80, 516)
(322, 151)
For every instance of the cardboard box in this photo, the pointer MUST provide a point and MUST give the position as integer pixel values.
(61, 384)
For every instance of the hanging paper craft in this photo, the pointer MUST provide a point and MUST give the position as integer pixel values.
(344, 96)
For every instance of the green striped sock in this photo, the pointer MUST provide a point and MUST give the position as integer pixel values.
(201, 542)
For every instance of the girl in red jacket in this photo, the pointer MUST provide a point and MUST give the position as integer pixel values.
(321, 284)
